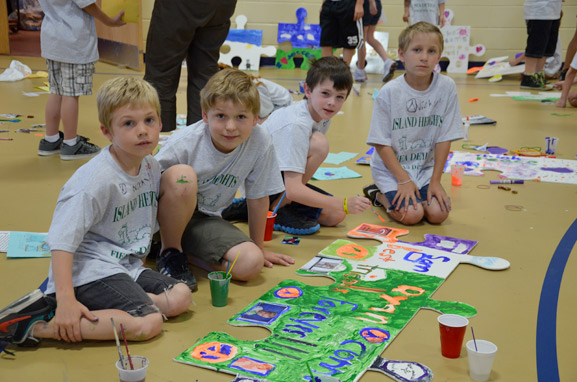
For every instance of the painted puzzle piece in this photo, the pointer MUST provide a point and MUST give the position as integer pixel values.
(341, 330)
(457, 48)
(249, 36)
(499, 66)
(285, 60)
(517, 167)
(300, 35)
(248, 53)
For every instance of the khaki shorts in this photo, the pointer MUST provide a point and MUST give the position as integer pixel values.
(210, 237)
(70, 80)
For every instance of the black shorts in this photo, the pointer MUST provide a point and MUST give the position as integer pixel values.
(542, 38)
(369, 19)
(338, 29)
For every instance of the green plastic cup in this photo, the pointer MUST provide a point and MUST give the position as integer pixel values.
(219, 283)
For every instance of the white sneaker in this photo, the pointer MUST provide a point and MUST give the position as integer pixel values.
(389, 72)
(360, 75)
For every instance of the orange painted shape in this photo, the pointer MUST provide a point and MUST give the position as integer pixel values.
(352, 251)
(214, 352)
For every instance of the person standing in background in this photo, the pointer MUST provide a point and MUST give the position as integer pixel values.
(185, 29)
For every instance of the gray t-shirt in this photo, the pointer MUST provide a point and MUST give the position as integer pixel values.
(542, 9)
(252, 165)
(412, 122)
(68, 33)
(425, 10)
(291, 128)
(106, 218)
(272, 96)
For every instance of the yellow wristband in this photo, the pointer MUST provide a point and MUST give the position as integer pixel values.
(345, 207)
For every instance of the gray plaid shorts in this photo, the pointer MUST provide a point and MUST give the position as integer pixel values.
(70, 79)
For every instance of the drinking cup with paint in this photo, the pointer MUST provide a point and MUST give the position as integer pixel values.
(457, 172)
(219, 284)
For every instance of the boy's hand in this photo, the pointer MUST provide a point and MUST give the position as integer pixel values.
(406, 17)
(373, 7)
(357, 204)
(561, 102)
(67, 320)
(116, 21)
(406, 192)
(271, 258)
(436, 190)
(359, 11)
(558, 85)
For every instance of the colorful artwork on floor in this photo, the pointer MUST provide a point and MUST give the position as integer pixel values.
(457, 49)
(517, 167)
(338, 332)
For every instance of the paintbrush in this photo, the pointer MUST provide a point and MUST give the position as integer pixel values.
(126, 345)
(117, 343)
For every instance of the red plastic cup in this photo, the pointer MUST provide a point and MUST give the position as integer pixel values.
(269, 226)
(452, 328)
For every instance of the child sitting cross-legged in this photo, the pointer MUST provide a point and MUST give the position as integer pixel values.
(100, 234)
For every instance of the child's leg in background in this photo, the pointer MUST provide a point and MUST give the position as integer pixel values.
(52, 114)
(69, 116)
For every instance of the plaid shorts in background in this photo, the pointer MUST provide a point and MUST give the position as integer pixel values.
(70, 79)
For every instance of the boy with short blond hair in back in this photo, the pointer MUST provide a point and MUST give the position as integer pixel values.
(100, 234)
(415, 118)
(214, 157)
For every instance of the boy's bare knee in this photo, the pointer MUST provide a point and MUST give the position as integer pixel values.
(410, 217)
(178, 175)
(437, 217)
(330, 218)
(144, 328)
(318, 144)
(252, 263)
(180, 299)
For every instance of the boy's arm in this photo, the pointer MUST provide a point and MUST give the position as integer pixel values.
(406, 14)
(442, 14)
(257, 214)
(359, 10)
(406, 188)
(69, 311)
(435, 187)
(94, 10)
(298, 192)
(569, 78)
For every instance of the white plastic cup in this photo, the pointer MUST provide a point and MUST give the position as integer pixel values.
(481, 359)
(138, 374)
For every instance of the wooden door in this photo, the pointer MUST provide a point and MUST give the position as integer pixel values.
(121, 45)
(4, 38)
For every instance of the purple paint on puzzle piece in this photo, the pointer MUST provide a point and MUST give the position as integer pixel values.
(434, 242)
(557, 169)
(496, 150)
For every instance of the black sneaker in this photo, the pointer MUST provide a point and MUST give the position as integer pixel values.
(562, 74)
(18, 318)
(371, 192)
(81, 150)
(46, 148)
(236, 212)
(173, 263)
(290, 221)
(532, 81)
